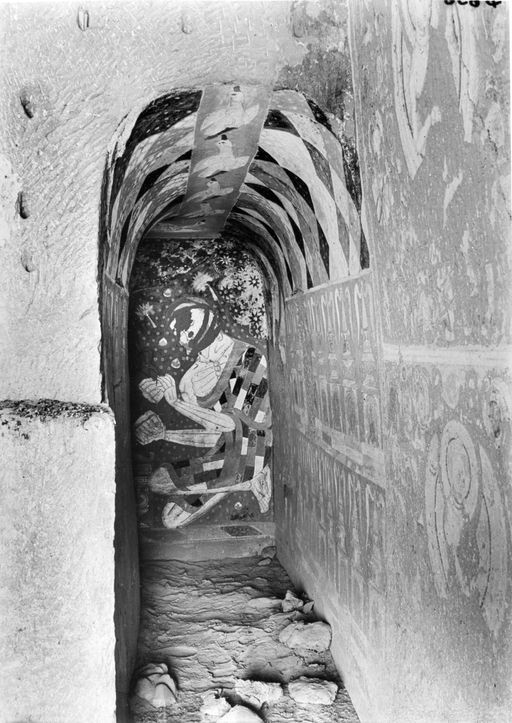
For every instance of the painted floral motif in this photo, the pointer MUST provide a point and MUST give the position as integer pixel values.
(216, 265)
(144, 311)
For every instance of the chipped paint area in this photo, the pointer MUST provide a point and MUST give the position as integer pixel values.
(435, 155)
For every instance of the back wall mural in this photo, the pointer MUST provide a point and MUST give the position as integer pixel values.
(200, 402)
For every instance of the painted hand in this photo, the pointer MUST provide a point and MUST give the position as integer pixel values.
(151, 390)
(155, 390)
(168, 385)
(149, 428)
(199, 380)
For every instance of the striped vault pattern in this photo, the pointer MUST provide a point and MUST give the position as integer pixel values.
(242, 161)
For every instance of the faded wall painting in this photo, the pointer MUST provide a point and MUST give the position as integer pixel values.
(332, 359)
(432, 93)
(200, 399)
(455, 422)
(330, 470)
(431, 83)
(463, 507)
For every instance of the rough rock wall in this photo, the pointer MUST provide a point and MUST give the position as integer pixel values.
(423, 626)
(57, 570)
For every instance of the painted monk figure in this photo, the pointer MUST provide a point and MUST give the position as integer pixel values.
(216, 357)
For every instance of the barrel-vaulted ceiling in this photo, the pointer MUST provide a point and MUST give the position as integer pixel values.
(248, 162)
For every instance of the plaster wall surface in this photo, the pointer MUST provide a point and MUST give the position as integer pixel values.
(438, 210)
(57, 570)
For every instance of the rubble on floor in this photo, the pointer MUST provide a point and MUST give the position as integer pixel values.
(303, 637)
(213, 706)
(256, 692)
(313, 691)
(291, 602)
(223, 630)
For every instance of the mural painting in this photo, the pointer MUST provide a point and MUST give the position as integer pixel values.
(227, 129)
(455, 422)
(335, 396)
(431, 89)
(200, 399)
(410, 28)
(334, 501)
(196, 163)
(433, 95)
(466, 523)
(338, 523)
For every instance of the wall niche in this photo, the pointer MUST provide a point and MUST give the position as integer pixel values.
(201, 416)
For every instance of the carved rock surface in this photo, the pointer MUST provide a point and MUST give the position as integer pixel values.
(313, 691)
(307, 636)
(57, 511)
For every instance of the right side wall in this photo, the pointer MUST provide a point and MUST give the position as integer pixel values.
(396, 503)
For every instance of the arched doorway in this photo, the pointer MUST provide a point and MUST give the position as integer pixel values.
(245, 164)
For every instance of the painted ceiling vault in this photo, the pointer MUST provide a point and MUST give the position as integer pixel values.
(240, 162)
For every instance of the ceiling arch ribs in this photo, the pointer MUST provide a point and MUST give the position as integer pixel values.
(306, 228)
(200, 163)
(264, 240)
(251, 204)
(164, 194)
(161, 151)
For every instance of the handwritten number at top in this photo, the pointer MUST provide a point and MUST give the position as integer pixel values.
(474, 3)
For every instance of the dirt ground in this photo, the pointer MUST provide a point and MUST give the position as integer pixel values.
(213, 622)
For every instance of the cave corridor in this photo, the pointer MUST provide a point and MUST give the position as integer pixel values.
(257, 323)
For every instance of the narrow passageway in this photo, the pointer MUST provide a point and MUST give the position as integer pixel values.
(255, 292)
(227, 206)
(217, 622)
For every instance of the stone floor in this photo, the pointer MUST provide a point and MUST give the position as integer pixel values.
(213, 622)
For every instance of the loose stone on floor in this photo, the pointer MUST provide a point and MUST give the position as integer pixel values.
(218, 627)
